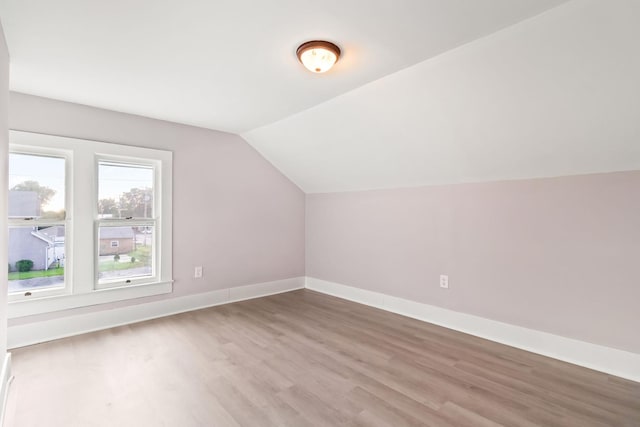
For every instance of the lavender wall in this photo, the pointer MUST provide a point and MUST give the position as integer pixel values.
(4, 138)
(560, 255)
(233, 213)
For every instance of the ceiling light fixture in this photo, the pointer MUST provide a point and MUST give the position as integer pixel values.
(318, 55)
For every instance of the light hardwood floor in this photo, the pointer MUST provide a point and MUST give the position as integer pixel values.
(300, 359)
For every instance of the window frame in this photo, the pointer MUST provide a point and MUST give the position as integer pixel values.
(14, 222)
(81, 196)
(156, 257)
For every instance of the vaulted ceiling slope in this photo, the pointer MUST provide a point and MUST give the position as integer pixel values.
(558, 94)
(229, 64)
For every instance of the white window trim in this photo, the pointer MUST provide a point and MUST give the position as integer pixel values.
(67, 155)
(82, 212)
(156, 166)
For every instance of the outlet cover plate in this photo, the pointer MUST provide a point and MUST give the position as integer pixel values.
(444, 281)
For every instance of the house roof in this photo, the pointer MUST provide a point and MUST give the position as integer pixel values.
(116, 233)
(54, 232)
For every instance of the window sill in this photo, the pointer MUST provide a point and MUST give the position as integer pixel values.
(29, 307)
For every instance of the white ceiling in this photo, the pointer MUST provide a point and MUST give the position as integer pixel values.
(427, 91)
(558, 94)
(229, 64)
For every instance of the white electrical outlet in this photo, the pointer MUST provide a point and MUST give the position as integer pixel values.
(444, 281)
(198, 272)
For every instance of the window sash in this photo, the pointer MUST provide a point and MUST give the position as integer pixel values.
(69, 261)
(101, 283)
(20, 221)
(56, 153)
(132, 162)
(35, 293)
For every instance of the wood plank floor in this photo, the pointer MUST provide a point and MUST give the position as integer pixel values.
(304, 359)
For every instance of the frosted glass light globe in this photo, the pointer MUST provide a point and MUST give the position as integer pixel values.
(318, 56)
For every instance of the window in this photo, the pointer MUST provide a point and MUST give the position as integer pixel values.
(102, 236)
(37, 221)
(125, 206)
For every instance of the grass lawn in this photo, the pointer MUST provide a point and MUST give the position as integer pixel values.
(143, 253)
(18, 275)
(142, 256)
(119, 265)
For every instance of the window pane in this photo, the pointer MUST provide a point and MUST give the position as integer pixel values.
(125, 191)
(36, 186)
(125, 252)
(36, 258)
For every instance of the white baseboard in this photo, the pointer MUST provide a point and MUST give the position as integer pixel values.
(605, 359)
(612, 361)
(5, 380)
(38, 332)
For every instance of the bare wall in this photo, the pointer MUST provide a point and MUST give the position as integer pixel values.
(559, 255)
(233, 212)
(4, 138)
